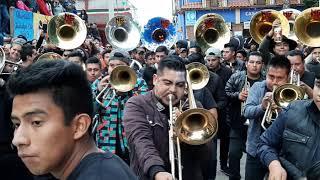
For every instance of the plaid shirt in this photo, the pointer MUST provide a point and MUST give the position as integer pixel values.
(110, 118)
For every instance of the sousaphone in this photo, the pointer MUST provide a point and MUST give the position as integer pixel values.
(210, 30)
(291, 15)
(307, 26)
(158, 31)
(261, 24)
(122, 32)
(67, 31)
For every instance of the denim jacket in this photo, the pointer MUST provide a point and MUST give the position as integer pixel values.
(254, 112)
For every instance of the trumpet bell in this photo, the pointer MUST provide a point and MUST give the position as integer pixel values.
(291, 15)
(123, 78)
(198, 74)
(261, 24)
(122, 32)
(158, 32)
(196, 126)
(49, 56)
(287, 93)
(307, 26)
(67, 31)
(210, 30)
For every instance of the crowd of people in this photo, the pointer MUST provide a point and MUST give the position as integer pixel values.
(63, 124)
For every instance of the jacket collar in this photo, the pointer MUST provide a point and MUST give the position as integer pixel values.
(314, 112)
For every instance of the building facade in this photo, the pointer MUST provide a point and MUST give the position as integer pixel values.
(236, 13)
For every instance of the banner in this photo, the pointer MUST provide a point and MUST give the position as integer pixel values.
(39, 21)
(23, 23)
(191, 18)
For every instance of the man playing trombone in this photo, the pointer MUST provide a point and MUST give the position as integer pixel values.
(146, 124)
(110, 134)
(259, 98)
(290, 147)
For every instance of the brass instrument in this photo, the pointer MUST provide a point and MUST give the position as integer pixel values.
(158, 31)
(3, 63)
(261, 24)
(282, 96)
(307, 26)
(122, 32)
(211, 30)
(199, 75)
(49, 56)
(67, 31)
(194, 126)
(122, 79)
(246, 87)
(291, 15)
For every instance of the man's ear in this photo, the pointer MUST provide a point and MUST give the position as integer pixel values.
(81, 124)
(155, 79)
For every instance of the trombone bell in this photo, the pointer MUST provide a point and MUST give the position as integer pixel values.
(198, 74)
(123, 78)
(261, 24)
(287, 93)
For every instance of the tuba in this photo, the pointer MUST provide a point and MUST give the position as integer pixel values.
(291, 15)
(210, 30)
(122, 32)
(307, 27)
(158, 32)
(261, 24)
(67, 31)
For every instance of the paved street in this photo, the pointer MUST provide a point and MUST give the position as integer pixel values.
(221, 176)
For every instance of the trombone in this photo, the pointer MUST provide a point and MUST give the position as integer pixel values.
(194, 126)
(122, 79)
(270, 114)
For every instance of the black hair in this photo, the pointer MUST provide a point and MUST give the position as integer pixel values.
(198, 48)
(66, 83)
(148, 53)
(76, 53)
(147, 75)
(26, 50)
(182, 44)
(280, 62)
(93, 60)
(195, 57)
(255, 53)
(243, 52)
(230, 46)
(162, 49)
(296, 53)
(172, 63)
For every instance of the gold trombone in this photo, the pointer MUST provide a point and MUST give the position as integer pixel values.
(194, 126)
(122, 79)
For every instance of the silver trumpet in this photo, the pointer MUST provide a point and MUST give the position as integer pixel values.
(246, 87)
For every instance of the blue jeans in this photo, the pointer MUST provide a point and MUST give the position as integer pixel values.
(4, 19)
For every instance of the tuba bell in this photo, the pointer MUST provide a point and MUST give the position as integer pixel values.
(307, 27)
(49, 56)
(261, 24)
(210, 30)
(67, 31)
(158, 31)
(291, 15)
(122, 32)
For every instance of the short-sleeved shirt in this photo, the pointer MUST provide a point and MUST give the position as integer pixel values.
(101, 166)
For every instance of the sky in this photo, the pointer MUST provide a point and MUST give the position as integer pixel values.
(147, 9)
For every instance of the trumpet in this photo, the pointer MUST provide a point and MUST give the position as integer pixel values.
(270, 114)
(246, 87)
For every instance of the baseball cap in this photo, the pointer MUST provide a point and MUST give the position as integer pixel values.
(213, 52)
(121, 55)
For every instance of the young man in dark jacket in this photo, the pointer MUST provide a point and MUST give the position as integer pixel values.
(290, 147)
(237, 91)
